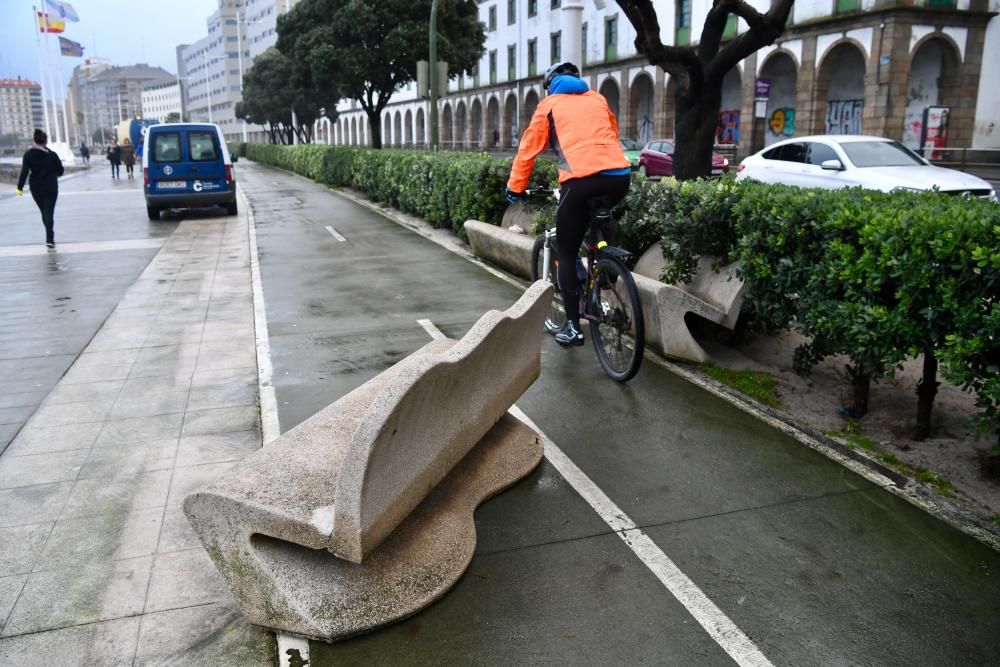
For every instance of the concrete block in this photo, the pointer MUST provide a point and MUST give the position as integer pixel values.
(506, 249)
(363, 514)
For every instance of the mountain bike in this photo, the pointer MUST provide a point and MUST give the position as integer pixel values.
(609, 299)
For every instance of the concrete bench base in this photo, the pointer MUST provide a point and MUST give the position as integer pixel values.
(310, 592)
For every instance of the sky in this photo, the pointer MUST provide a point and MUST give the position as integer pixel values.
(125, 32)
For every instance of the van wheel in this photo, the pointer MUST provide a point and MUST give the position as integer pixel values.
(153, 212)
(232, 209)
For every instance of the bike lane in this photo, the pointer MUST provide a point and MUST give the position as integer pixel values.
(812, 562)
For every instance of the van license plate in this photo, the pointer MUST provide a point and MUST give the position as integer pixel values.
(169, 185)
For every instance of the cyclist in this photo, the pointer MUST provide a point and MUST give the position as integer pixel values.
(583, 132)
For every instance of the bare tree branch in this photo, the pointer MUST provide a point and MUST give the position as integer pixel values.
(764, 30)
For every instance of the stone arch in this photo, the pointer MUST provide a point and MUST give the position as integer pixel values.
(476, 123)
(447, 127)
(641, 126)
(387, 130)
(509, 131)
(354, 131)
(530, 104)
(492, 136)
(397, 132)
(408, 129)
(839, 90)
(670, 107)
(609, 88)
(780, 122)
(934, 80)
(730, 108)
(461, 125)
(421, 131)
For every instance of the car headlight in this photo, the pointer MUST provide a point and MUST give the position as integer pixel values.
(993, 196)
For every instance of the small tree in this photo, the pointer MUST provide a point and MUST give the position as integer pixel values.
(369, 50)
(699, 70)
(172, 117)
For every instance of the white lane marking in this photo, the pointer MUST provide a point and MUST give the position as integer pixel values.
(88, 246)
(268, 401)
(335, 233)
(288, 643)
(715, 622)
(101, 192)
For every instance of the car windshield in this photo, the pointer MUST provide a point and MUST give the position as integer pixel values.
(629, 145)
(880, 154)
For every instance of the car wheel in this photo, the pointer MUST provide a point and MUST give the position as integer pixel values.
(232, 209)
(153, 212)
(642, 171)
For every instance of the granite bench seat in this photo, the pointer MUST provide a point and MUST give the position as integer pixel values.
(363, 514)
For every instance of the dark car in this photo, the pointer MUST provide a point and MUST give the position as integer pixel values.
(657, 159)
(187, 165)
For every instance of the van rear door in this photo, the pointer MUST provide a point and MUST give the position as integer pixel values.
(204, 168)
(164, 156)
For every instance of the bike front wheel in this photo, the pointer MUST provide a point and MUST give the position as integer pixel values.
(618, 328)
(556, 317)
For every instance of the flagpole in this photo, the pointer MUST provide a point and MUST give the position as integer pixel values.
(62, 88)
(41, 69)
(52, 85)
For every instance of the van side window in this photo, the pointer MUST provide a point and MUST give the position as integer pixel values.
(166, 147)
(202, 146)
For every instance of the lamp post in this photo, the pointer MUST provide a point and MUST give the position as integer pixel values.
(432, 78)
(208, 87)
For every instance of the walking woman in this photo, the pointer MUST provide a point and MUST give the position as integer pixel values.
(128, 156)
(114, 156)
(44, 168)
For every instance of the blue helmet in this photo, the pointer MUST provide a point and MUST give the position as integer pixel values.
(556, 70)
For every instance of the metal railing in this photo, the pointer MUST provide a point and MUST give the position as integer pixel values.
(983, 162)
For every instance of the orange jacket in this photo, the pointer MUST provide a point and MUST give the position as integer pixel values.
(582, 131)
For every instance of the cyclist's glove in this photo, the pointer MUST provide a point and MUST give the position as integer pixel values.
(514, 197)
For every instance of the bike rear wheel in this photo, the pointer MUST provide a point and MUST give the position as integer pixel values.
(618, 330)
(556, 317)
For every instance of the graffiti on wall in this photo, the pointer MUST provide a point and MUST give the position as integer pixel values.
(844, 116)
(729, 127)
(782, 122)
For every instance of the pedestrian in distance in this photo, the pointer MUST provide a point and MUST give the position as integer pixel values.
(114, 155)
(41, 168)
(128, 156)
(84, 153)
(139, 148)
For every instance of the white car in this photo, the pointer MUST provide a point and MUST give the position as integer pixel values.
(842, 161)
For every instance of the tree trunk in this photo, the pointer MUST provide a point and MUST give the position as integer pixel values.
(697, 124)
(861, 385)
(375, 126)
(926, 391)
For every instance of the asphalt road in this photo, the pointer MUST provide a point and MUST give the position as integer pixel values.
(815, 564)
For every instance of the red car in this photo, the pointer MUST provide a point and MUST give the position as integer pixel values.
(657, 159)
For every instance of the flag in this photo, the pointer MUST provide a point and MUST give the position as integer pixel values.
(63, 10)
(46, 24)
(70, 48)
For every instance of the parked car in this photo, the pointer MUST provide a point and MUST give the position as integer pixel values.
(632, 150)
(840, 161)
(187, 165)
(657, 159)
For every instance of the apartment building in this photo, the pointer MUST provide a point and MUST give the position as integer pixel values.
(159, 100)
(847, 66)
(105, 95)
(20, 107)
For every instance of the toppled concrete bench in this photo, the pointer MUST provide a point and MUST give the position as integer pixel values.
(716, 295)
(363, 514)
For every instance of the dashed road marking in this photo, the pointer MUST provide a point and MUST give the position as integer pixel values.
(336, 234)
(715, 622)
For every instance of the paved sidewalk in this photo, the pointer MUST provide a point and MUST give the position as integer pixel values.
(98, 565)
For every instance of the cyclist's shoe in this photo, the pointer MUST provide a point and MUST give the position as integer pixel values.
(570, 335)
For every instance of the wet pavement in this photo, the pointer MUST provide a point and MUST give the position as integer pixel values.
(142, 386)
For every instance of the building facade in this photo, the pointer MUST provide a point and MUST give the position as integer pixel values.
(159, 100)
(20, 108)
(848, 66)
(110, 94)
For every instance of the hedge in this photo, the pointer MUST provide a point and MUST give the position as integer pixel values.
(877, 277)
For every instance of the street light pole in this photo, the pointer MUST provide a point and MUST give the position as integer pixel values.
(239, 45)
(208, 89)
(433, 75)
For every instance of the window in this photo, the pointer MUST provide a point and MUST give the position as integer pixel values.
(880, 154)
(201, 146)
(532, 8)
(845, 6)
(683, 22)
(583, 44)
(730, 30)
(492, 24)
(817, 154)
(556, 4)
(166, 147)
(611, 38)
(795, 152)
(555, 47)
(512, 62)
(532, 57)
(511, 12)
(493, 67)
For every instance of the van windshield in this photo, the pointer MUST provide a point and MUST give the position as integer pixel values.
(166, 147)
(202, 146)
